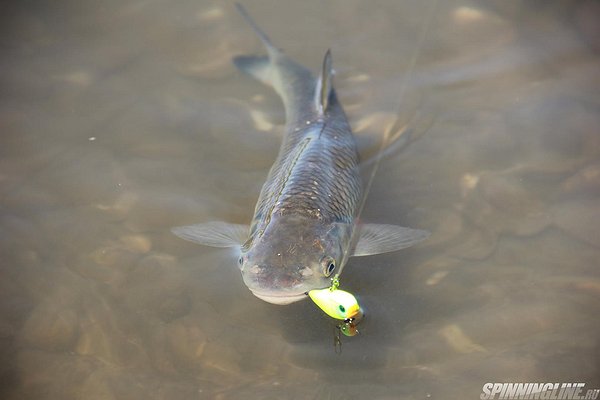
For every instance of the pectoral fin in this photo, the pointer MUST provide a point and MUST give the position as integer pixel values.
(382, 238)
(215, 234)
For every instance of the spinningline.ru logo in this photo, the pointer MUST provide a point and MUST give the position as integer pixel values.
(542, 391)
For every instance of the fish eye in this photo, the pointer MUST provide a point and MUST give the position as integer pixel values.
(241, 260)
(328, 266)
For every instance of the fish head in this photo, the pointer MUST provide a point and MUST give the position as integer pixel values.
(293, 256)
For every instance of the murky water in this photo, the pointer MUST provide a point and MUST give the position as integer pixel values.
(120, 120)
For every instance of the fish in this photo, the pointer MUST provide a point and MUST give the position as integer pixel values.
(305, 225)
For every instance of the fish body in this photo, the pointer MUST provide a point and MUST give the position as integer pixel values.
(304, 225)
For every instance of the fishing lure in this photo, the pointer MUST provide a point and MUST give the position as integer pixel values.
(335, 302)
(340, 305)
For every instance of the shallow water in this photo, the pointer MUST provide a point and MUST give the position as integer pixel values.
(122, 120)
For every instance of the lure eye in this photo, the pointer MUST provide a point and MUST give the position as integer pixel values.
(342, 308)
(328, 266)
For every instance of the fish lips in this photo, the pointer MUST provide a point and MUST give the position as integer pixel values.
(280, 298)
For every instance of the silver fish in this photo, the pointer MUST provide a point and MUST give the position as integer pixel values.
(304, 227)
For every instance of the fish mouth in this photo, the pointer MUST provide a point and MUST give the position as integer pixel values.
(280, 299)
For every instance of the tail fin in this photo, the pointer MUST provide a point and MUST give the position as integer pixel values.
(258, 67)
(271, 49)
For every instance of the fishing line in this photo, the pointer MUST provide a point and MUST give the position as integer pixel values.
(387, 138)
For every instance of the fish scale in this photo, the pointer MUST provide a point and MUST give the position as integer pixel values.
(324, 153)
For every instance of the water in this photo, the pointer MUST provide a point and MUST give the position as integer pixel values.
(120, 120)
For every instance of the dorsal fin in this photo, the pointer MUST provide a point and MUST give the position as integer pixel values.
(323, 88)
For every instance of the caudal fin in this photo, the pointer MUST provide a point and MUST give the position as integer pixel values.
(259, 67)
(271, 49)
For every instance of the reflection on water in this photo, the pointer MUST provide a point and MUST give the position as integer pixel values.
(122, 120)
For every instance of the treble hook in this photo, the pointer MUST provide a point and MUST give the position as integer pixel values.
(337, 340)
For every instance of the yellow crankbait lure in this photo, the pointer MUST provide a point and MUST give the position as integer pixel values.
(338, 304)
